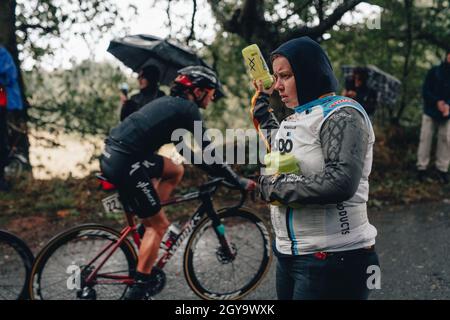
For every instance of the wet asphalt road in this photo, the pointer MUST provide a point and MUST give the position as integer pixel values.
(413, 245)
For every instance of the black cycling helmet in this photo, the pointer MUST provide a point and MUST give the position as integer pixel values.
(200, 77)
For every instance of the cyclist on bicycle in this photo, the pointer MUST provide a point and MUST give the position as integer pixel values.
(129, 160)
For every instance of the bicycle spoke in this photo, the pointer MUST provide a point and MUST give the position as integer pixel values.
(52, 284)
(13, 269)
(14, 292)
(209, 266)
(79, 251)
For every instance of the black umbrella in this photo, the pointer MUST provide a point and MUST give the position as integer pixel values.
(138, 51)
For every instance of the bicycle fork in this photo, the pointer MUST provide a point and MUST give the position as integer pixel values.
(227, 252)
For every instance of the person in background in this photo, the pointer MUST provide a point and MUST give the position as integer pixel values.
(10, 100)
(356, 88)
(436, 96)
(148, 79)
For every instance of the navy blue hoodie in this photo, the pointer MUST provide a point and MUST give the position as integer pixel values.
(312, 69)
(436, 87)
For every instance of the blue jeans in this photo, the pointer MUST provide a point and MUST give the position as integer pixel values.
(341, 275)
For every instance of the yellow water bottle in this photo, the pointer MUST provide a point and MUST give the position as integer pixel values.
(256, 65)
(277, 163)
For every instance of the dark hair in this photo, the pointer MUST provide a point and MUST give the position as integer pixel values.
(349, 83)
(178, 90)
(362, 73)
(151, 73)
(274, 56)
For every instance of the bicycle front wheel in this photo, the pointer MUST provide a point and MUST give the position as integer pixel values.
(15, 266)
(213, 275)
(62, 268)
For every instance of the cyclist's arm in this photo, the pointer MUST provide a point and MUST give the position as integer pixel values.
(263, 118)
(220, 169)
(344, 139)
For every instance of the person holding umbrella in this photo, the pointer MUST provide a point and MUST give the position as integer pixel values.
(148, 79)
(356, 88)
(157, 62)
(129, 160)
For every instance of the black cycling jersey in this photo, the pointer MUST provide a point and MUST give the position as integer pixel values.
(147, 129)
(129, 158)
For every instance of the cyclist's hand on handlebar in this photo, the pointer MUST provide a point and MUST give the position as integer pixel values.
(247, 184)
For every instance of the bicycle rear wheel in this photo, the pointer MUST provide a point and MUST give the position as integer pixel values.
(15, 267)
(210, 274)
(63, 266)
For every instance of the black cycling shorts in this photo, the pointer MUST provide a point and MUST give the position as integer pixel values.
(133, 178)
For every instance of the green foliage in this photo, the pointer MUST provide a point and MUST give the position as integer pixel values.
(233, 110)
(84, 99)
(422, 42)
(412, 38)
(42, 24)
(76, 103)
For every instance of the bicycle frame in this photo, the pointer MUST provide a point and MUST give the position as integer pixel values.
(206, 207)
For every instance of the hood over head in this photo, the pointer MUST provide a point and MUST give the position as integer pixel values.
(312, 69)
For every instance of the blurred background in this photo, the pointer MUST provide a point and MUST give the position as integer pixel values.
(70, 87)
(70, 82)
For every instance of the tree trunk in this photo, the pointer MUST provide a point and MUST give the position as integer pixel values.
(406, 65)
(19, 138)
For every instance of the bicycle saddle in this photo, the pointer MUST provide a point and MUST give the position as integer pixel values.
(104, 183)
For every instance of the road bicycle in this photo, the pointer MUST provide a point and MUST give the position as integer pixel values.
(227, 254)
(16, 260)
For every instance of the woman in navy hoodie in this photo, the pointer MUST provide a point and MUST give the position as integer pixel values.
(323, 239)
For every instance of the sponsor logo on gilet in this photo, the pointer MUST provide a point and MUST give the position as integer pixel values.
(335, 103)
(343, 219)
